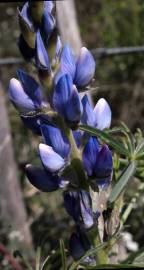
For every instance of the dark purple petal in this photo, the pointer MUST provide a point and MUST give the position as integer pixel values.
(32, 123)
(62, 93)
(19, 97)
(104, 166)
(75, 246)
(88, 116)
(42, 59)
(26, 51)
(55, 138)
(42, 179)
(67, 61)
(73, 108)
(85, 68)
(90, 155)
(71, 203)
(31, 87)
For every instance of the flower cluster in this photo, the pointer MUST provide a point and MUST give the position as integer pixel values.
(71, 160)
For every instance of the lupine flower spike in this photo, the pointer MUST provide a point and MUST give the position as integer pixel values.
(62, 150)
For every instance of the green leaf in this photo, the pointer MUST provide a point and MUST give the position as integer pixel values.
(115, 266)
(136, 257)
(104, 136)
(123, 180)
(63, 256)
(38, 256)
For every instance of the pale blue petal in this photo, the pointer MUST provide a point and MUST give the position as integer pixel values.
(19, 98)
(50, 159)
(102, 114)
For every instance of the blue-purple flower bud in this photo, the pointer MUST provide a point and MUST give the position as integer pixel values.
(99, 117)
(42, 179)
(54, 137)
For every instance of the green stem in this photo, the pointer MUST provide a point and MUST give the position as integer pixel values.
(100, 255)
(76, 161)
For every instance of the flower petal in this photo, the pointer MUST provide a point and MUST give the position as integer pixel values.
(62, 93)
(57, 51)
(75, 246)
(19, 97)
(48, 6)
(90, 155)
(88, 116)
(73, 108)
(32, 123)
(67, 61)
(42, 179)
(85, 68)
(47, 26)
(103, 167)
(50, 159)
(78, 137)
(42, 60)
(86, 209)
(102, 114)
(54, 137)
(24, 14)
(31, 87)
(71, 203)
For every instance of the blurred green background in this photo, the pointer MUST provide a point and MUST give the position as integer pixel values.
(120, 79)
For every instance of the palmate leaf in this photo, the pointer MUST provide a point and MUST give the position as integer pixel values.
(106, 137)
(123, 180)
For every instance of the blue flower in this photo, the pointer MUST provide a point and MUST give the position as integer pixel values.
(51, 160)
(66, 100)
(104, 167)
(31, 88)
(24, 15)
(98, 162)
(78, 205)
(81, 69)
(48, 23)
(78, 245)
(90, 154)
(55, 138)
(32, 123)
(42, 179)
(42, 59)
(99, 117)
(19, 97)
